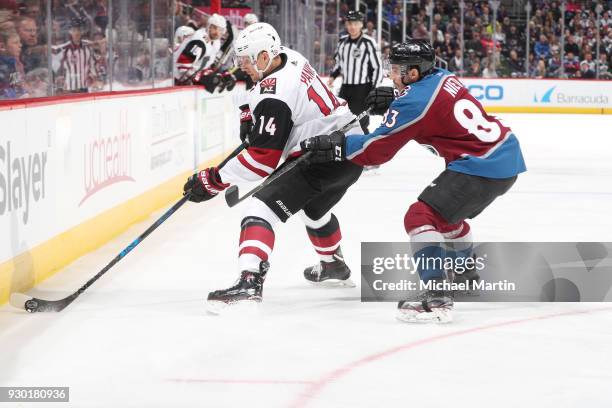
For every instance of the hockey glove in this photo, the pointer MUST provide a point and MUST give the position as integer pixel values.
(379, 99)
(228, 81)
(204, 185)
(325, 148)
(246, 123)
(207, 78)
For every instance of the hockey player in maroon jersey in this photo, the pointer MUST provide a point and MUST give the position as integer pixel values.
(482, 155)
(288, 103)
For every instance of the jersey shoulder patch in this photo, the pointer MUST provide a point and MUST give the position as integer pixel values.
(268, 86)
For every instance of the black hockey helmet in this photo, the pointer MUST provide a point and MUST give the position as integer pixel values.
(413, 53)
(354, 15)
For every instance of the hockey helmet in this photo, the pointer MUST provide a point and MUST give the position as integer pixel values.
(255, 39)
(181, 33)
(354, 15)
(250, 18)
(218, 21)
(413, 53)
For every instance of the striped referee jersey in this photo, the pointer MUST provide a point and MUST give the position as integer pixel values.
(358, 61)
(77, 63)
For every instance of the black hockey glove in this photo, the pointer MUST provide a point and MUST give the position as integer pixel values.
(379, 99)
(246, 123)
(228, 81)
(209, 79)
(204, 185)
(325, 148)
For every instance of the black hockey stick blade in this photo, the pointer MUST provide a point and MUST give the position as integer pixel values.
(33, 305)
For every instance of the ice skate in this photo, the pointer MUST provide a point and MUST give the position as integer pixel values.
(430, 306)
(248, 289)
(330, 274)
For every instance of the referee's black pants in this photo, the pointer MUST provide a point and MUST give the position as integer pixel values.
(355, 95)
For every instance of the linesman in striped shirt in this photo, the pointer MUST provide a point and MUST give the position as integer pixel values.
(77, 65)
(358, 62)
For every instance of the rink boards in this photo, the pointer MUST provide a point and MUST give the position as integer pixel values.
(76, 172)
(504, 95)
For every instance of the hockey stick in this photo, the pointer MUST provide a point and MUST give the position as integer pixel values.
(32, 304)
(232, 194)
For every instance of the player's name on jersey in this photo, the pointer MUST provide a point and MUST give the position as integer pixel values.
(405, 284)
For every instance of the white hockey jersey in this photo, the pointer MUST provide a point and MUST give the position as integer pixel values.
(195, 53)
(289, 105)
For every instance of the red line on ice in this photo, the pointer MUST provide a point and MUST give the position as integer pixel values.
(315, 387)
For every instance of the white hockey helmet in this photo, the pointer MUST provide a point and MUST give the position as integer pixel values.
(218, 21)
(255, 39)
(249, 19)
(181, 33)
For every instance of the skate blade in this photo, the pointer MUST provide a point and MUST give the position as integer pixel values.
(242, 307)
(334, 283)
(438, 316)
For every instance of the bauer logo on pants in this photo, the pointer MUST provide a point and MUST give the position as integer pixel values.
(268, 86)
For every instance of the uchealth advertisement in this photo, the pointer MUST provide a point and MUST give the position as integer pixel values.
(63, 164)
(543, 93)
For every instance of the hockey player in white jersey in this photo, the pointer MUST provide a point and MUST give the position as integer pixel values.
(196, 56)
(289, 103)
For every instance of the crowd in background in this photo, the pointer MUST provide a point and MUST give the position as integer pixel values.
(479, 58)
(72, 55)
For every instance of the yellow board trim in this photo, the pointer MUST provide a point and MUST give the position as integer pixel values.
(547, 109)
(39, 263)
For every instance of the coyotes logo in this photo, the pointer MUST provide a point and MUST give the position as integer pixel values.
(268, 86)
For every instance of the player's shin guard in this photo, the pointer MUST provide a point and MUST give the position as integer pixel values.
(460, 247)
(256, 243)
(429, 251)
(325, 236)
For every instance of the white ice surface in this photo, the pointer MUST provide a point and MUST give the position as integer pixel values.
(140, 337)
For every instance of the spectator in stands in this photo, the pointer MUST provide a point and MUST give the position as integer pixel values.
(499, 35)
(32, 55)
(489, 71)
(453, 28)
(31, 9)
(571, 46)
(475, 70)
(12, 76)
(588, 60)
(512, 66)
(604, 67)
(101, 14)
(448, 47)
(542, 48)
(370, 30)
(554, 63)
(607, 41)
(456, 63)
(437, 36)
(475, 44)
(585, 70)
(37, 82)
(571, 65)
(538, 70)
(420, 32)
